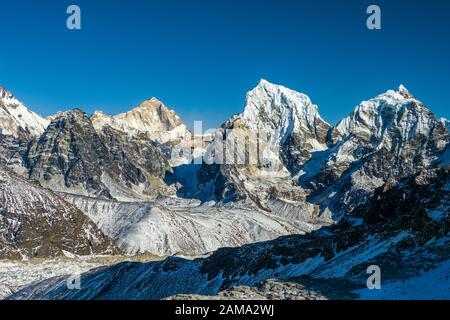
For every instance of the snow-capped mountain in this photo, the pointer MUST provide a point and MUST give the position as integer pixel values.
(373, 189)
(17, 120)
(153, 121)
(71, 156)
(387, 138)
(290, 120)
(304, 159)
(389, 120)
(286, 125)
(34, 222)
(281, 129)
(151, 118)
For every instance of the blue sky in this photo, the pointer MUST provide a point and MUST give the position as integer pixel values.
(201, 57)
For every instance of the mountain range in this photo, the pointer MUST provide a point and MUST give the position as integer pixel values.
(309, 204)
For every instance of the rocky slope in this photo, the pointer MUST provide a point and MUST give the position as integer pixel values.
(402, 239)
(12, 153)
(300, 288)
(167, 227)
(34, 222)
(71, 156)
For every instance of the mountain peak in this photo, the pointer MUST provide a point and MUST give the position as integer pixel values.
(402, 88)
(5, 94)
(263, 82)
(16, 119)
(396, 111)
(274, 102)
(7, 98)
(155, 99)
(72, 112)
(287, 116)
(269, 86)
(151, 117)
(150, 105)
(152, 100)
(404, 92)
(70, 118)
(99, 113)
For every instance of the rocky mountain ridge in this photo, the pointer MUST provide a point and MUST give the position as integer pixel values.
(71, 156)
(314, 208)
(35, 223)
(307, 174)
(386, 138)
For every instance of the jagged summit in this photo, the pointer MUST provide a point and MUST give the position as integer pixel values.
(69, 118)
(400, 95)
(151, 118)
(275, 107)
(384, 113)
(385, 139)
(17, 120)
(5, 94)
(285, 127)
(278, 96)
(404, 92)
(73, 112)
(153, 102)
(280, 107)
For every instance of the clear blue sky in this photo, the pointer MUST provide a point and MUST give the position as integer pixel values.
(201, 57)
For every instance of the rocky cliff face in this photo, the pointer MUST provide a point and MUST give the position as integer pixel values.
(388, 138)
(71, 156)
(34, 222)
(12, 153)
